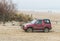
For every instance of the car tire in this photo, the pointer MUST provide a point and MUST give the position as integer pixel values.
(29, 30)
(46, 30)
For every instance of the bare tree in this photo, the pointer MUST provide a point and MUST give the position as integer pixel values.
(7, 10)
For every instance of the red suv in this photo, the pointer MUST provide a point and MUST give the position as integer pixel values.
(38, 24)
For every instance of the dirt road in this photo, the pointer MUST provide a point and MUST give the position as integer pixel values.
(15, 33)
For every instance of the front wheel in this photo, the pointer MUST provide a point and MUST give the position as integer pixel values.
(46, 30)
(29, 30)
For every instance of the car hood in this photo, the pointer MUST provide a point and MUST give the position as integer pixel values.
(27, 24)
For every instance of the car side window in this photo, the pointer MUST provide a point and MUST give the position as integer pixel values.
(39, 22)
(47, 21)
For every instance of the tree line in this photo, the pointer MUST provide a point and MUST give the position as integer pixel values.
(8, 12)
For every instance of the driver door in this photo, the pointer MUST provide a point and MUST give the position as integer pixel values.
(38, 24)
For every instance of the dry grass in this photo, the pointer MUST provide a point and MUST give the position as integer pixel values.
(15, 33)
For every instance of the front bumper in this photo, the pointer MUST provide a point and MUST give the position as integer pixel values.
(24, 28)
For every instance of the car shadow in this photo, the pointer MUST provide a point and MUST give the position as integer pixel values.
(40, 32)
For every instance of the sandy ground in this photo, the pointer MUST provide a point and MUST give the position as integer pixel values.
(15, 33)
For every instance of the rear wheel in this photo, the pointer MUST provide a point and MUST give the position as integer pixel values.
(29, 30)
(46, 30)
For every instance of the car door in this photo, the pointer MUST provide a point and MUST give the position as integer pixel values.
(38, 24)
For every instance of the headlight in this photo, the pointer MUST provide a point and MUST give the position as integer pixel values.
(25, 26)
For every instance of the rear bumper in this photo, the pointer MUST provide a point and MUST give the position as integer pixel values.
(50, 28)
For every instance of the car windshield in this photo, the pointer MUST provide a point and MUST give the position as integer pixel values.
(33, 21)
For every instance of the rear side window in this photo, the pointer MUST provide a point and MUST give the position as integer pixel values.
(47, 21)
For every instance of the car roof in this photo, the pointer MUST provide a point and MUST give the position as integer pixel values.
(42, 19)
(46, 19)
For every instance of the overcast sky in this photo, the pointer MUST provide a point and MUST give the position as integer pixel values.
(52, 5)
